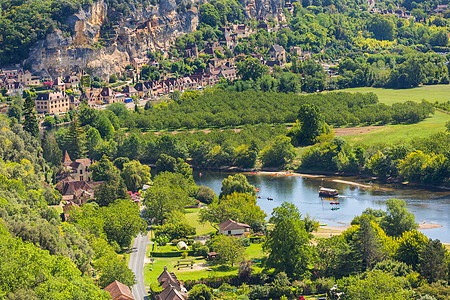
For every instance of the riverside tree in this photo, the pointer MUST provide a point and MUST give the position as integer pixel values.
(288, 242)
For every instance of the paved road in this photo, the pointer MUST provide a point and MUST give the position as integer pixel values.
(136, 264)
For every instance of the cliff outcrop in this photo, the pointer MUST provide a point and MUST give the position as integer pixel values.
(107, 48)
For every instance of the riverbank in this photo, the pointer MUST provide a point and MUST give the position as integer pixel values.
(325, 177)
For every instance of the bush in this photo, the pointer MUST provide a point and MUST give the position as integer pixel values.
(205, 195)
(174, 231)
(199, 249)
(259, 292)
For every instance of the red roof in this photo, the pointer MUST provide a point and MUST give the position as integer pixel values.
(119, 290)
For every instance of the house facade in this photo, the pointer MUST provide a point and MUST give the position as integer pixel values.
(52, 103)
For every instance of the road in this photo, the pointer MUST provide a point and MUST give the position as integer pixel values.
(136, 264)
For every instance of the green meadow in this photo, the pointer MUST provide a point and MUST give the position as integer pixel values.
(392, 134)
(432, 93)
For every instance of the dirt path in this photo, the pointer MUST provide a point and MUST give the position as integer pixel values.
(355, 130)
(337, 131)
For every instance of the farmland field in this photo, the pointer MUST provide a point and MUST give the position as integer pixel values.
(432, 93)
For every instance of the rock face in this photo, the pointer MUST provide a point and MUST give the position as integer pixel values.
(108, 50)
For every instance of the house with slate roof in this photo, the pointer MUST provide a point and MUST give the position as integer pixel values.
(277, 53)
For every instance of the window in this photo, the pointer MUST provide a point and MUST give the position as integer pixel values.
(81, 178)
(229, 232)
(81, 171)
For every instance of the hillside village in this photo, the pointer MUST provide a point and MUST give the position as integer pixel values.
(59, 95)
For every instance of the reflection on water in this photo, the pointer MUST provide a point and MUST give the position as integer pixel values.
(428, 206)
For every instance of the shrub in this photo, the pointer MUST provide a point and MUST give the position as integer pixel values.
(174, 231)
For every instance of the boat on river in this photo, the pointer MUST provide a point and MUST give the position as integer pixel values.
(325, 192)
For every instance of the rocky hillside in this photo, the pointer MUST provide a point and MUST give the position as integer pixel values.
(107, 46)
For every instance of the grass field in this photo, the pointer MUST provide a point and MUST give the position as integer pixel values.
(191, 215)
(253, 252)
(393, 134)
(432, 93)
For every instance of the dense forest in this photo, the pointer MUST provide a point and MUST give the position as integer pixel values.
(43, 257)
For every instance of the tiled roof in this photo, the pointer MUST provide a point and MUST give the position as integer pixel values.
(117, 289)
(232, 225)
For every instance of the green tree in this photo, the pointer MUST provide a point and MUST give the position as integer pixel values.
(251, 68)
(288, 242)
(123, 222)
(15, 111)
(135, 175)
(30, 123)
(366, 245)
(93, 140)
(103, 170)
(50, 150)
(200, 292)
(229, 249)
(398, 219)
(169, 192)
(433, 261)
(237, 183)
(375, 285)
(240, 207)
(311, 124)
(382, 28)
(245, 156)
(278, 153)
(410, 244)
(75, 140)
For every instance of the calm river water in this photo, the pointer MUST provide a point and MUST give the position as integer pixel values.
(427, 205)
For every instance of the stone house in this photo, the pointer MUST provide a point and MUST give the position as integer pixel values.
(52, 103)
(277, 53)
(106, 95)
(141, 89)
(71, 82)
(137, 63)
(130, 91)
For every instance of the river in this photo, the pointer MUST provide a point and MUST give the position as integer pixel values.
(430, 206)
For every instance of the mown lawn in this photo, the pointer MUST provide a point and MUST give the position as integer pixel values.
(191, 215)
(432, 93)
(253, 252)
(393, 134)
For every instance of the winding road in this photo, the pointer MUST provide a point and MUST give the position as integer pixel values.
(136, 264)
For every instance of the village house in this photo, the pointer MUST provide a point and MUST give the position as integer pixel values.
(25, 78)
(228, 42)
(212, 47)
(230, 227)
(141, 89)
(173, 289)
(277, 53)
(119, 291)
(71, 82)
(59, 84)
(241, 31)
(12, 86)
(79, 169)
(295, 50)
(130, 91)
(442, 8)
(107, 95)
(89, 96)
(137, 63)
(191, 51)
(52, 103)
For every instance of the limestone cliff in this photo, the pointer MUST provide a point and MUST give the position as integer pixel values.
(108, 49)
